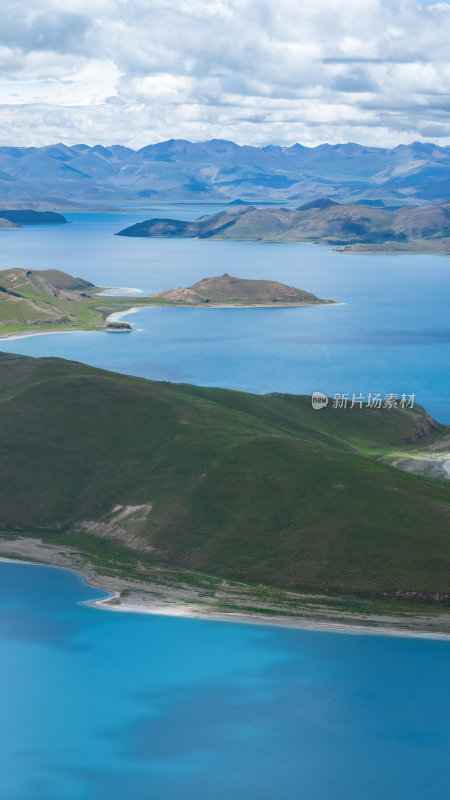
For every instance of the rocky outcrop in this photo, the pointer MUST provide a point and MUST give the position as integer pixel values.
(118, 326)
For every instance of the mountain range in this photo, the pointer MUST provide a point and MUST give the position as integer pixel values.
(62, 177)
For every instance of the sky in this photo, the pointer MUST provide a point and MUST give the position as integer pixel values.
(258, 72)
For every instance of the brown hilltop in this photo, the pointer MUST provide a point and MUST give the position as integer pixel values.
(229, 290)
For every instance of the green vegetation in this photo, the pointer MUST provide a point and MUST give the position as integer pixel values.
(356, 227)
(263, 490)
(32, 300)
(50, 300)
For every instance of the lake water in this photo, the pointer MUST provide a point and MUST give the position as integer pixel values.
(99, 705)
(391, 332)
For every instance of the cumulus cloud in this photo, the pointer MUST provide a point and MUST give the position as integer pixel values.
(135, 72)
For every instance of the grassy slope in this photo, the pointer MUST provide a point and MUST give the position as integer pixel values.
(34, 306)
(261, 489)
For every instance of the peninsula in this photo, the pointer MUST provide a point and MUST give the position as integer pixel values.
(347, 227)
(48, 300)
(253, 501)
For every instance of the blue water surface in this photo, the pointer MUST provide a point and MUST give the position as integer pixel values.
(391, 332)
(98, 705)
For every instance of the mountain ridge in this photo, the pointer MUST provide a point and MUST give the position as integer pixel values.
(223, 171)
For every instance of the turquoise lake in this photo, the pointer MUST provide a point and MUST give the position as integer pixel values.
(98, 705)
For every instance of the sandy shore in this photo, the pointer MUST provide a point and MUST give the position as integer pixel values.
(118, 315)
(121, 290)
(118, 291)
(252, 618)
(158, 595)
(41, 333)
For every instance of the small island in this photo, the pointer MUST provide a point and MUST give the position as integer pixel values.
(226, 290)
(33, 301)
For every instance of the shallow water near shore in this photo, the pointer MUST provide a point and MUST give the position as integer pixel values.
(110, 705)
(391, 333)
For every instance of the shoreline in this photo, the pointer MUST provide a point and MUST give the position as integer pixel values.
(250, 618)
(26, 335)
(115, 316)
(122, 291)
(110, 318)
(160, 599)
(42, 333)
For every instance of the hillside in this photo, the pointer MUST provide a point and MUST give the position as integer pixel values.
(33, 300)
(40, 297)
(259, 489)
(61, 177)
(323, 222)
(227, 290)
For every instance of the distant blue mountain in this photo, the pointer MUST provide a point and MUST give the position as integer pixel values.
(58, 176)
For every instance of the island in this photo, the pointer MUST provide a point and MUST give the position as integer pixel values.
(347, 227)
(223, 502)
(27, 216)
(48, 300)
(226, 290)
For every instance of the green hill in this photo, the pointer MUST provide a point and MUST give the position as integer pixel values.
(259, 489)
(47, 298)
(356, 227)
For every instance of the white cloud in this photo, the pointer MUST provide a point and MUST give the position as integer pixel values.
(375, 71)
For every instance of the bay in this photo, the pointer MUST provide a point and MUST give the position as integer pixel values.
(99, 705)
